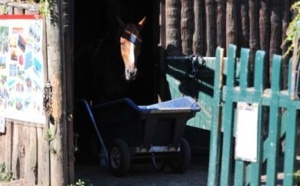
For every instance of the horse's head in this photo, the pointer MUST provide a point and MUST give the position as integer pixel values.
(130, 46)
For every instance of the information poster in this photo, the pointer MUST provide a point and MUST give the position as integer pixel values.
(21, 68)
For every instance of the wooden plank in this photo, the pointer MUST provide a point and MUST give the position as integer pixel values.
(239, 176)
(274, 124)
(8, 145)
(44, 152)
(227, 119)
(26, 144)
(20, 147)
(2, 149)
(244, 70)
(31, 155)
(291, 133)
(44, 156)
(239, 173)
(20, 150)
(265, 98)
(255, 167)
(259, 85)
(5, 145)
(15, 159)
(214, 160)
(259, 80)
(290, 145)
(40, 170)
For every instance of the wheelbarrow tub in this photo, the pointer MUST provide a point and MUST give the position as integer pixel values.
(143, 127)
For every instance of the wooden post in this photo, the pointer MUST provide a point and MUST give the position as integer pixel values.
(198, 37)
(187, 27)
(210, 27)
(173, 33)
(55, 73)
(221, 24)
(231, 27)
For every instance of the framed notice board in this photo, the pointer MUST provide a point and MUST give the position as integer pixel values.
(21, 68)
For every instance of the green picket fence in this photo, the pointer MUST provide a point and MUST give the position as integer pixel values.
(232, 88)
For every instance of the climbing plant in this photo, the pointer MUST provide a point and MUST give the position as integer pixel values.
(292, 39)
(5, 175)
(44, 8)
(293, 30)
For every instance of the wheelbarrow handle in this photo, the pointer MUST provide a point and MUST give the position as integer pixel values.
(88, 107)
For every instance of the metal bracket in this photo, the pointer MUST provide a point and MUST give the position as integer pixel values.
(196, 62)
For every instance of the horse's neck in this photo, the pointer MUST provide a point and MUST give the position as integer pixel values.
(108, 69)
(112, 46)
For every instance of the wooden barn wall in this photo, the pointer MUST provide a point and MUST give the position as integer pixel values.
(199, 26)
(23, 147)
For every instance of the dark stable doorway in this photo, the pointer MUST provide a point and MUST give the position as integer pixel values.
(91, 20)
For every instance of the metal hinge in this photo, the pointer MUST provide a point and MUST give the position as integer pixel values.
(47, 98)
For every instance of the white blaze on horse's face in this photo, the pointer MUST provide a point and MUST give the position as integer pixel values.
(130, 43)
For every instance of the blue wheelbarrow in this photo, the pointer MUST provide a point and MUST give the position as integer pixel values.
(127, 132)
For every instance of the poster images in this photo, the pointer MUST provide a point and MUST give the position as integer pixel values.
(21, 68)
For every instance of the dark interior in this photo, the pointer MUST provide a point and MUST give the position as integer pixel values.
(91, 23)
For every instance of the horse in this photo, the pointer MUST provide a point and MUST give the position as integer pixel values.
(107, 67)
(113, 63)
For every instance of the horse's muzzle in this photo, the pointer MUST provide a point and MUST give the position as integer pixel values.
(130, 74)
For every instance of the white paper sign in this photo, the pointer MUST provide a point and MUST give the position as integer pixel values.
(246, 132)
(2, 125)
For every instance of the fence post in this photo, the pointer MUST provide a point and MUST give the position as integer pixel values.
(274, 122)
(291, 135)
(214, 154)
(227, 119)
(239, 177)
(258, 88)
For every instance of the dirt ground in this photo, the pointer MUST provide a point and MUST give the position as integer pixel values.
(20, 182)
(138, 175)
(146, 175)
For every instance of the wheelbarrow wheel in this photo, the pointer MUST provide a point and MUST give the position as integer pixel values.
(119, 158)
(158, 163)
(179, 162)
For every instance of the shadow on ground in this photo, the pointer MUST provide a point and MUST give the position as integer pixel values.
(146, 175)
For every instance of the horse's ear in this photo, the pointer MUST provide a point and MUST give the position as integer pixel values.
(142, 23)
(120, 22)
